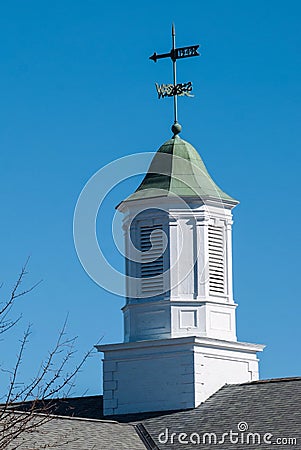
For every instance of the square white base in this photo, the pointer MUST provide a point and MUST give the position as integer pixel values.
(171, 374)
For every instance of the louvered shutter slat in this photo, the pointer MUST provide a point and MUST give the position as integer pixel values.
(216, 260)
(151, 267)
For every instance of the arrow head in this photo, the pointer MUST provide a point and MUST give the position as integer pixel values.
(154, 57)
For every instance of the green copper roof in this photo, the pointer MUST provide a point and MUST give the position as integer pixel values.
(177, 169)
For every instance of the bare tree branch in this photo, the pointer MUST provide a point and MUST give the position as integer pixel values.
(51, 380)
(6, 324)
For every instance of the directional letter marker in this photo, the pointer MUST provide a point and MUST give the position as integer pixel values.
(174, 90)
(177, 53)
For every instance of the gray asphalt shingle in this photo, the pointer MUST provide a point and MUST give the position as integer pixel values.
(270, 410)
(266, 408)
(79, 434)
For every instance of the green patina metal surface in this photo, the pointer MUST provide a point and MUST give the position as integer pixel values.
(177, 169)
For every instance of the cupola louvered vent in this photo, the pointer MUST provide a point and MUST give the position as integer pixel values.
(216, 260)
(151, 267)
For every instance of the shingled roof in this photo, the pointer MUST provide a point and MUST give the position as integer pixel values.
(71, 433)
(268, 410)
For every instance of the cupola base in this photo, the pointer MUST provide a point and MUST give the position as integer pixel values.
(172, 374)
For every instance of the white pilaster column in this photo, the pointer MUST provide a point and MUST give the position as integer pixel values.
(173, 258)
(228, 266)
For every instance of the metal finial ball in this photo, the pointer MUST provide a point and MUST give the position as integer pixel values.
(176, 128)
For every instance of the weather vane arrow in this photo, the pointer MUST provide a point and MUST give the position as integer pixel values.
(174, 90)
(178, 53)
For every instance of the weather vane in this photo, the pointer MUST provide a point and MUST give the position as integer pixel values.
(174, 90)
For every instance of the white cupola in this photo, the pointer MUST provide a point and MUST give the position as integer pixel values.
(180, 279)
(180, 343)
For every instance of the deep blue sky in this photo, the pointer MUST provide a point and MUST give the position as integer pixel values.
(77, 91)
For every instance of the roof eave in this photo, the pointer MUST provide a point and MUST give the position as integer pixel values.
(206, 199)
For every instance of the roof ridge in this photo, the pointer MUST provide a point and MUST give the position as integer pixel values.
(56, 399)
(83, 419)
(272, 380)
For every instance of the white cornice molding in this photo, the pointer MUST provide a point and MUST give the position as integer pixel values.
(190, 340)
